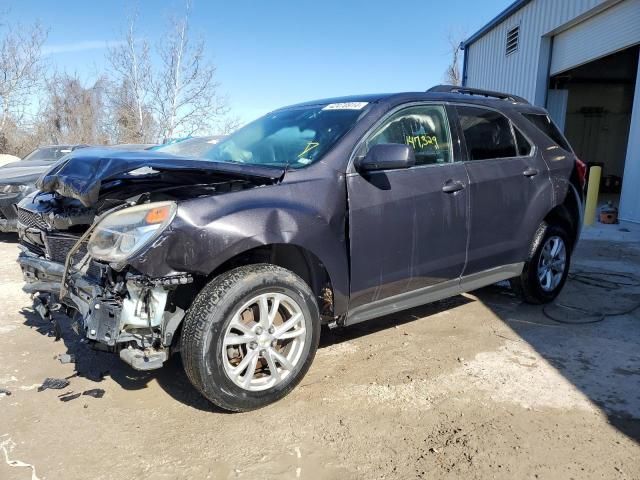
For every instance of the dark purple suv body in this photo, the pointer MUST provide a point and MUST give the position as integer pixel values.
(335, 211)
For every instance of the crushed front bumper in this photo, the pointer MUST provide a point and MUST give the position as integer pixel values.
(40, 275)
(127, 314)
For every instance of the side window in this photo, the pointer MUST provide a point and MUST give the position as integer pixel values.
(487, 133)
(524, 147)
(425, 128)
(549, 128)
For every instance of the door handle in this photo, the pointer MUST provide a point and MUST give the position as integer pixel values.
(452, 187)
(530, 172)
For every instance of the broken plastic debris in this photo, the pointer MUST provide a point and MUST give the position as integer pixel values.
(67, 397)
(54, 384)
(94, 392)
(66, 358)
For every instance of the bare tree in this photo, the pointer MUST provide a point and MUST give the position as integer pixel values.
(452, 75)
(21, 71)
(74, 113)
(130, 98)
(185, 92)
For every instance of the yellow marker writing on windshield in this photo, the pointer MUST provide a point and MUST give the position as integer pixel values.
(310, 146)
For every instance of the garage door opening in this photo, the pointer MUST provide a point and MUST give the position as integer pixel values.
(597, 114)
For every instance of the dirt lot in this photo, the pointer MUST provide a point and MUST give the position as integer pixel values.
(478, 386)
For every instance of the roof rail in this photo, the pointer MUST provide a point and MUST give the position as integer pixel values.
(477, 91)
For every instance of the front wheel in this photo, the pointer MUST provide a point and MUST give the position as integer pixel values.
(250, 336)
(547, 267)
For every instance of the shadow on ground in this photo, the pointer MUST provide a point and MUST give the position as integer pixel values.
(582, 335)
(96, 365)
(8, 238)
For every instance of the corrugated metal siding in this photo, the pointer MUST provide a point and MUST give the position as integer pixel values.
(614, 29)
(487, 65)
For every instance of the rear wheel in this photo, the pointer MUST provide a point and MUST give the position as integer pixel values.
(250, 336)
(545, 272)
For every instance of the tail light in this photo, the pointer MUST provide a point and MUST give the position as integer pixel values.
(581, 170)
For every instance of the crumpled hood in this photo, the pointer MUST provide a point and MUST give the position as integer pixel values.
(23, 173)
(82, 173)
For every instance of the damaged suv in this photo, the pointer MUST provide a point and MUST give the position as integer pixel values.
(329, 212)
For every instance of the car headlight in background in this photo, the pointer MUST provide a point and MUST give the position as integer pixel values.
(12, 188)
(122, 234)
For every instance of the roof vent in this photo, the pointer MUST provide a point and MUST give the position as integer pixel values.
(513, 35)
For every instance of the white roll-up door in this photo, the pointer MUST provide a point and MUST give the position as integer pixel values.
(608, 31)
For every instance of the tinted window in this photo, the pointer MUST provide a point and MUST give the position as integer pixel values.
(425, 128)
(544, 123)
(486, 133)
(524, 147)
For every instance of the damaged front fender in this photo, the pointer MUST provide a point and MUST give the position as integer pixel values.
(208, 232)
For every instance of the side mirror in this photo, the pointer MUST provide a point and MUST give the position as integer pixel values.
(387, 156)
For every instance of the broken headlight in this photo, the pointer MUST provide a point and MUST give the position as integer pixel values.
(124, 233)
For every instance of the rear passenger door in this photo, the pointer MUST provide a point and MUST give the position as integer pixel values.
(508, 181)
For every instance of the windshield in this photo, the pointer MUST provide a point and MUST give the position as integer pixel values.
(293, 137)
(48, 153)
(191, 147)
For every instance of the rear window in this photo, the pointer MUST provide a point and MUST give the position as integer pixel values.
(487, 133)
(524, 147)
(544, 123)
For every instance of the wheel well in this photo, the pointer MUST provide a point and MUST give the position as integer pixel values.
(567, 216)
(299, 260)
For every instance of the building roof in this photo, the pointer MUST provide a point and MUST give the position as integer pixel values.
(511, 9)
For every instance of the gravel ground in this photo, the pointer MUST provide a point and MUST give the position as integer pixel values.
(477, 386)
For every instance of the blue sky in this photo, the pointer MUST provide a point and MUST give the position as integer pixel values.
(274, 53)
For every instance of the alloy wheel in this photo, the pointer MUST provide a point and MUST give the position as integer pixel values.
(552, 263)
(264, 341)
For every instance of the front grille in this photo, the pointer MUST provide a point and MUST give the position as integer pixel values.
(35, 249)
(58, 246)
(31, 219)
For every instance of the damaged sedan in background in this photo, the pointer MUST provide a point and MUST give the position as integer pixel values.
(18, 179)
(329, 212)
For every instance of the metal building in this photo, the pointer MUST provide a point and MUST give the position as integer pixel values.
(579, 59)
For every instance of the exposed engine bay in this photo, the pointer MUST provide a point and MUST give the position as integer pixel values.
(114, 306)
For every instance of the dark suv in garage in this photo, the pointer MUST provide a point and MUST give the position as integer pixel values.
(333, 211)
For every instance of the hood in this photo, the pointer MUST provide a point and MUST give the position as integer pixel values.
(23, 173)
(82, 173)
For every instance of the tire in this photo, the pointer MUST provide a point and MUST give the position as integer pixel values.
(529, 285)
(224, 328)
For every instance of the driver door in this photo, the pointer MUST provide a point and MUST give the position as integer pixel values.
(408, 227)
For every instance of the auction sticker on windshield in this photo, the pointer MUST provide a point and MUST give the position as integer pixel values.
(346, 106)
